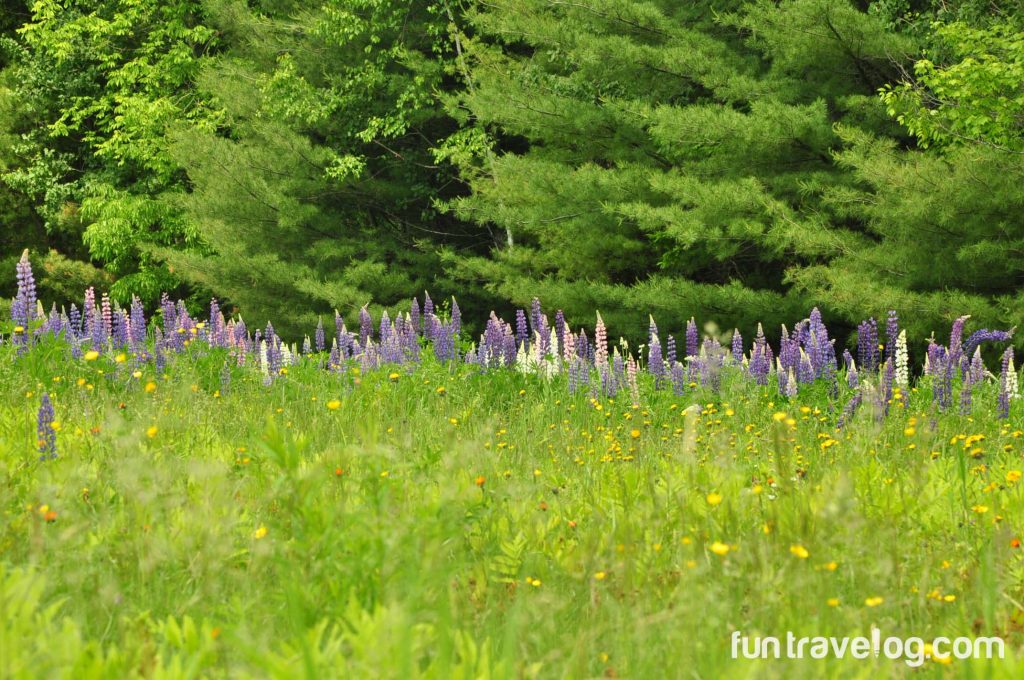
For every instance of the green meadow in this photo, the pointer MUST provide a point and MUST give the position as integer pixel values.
(438, 521)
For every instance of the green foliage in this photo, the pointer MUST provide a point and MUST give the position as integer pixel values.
(673, 158)
(974, 95)
(315, 192)
(94, 86)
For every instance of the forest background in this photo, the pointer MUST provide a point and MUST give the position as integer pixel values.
(730, 160)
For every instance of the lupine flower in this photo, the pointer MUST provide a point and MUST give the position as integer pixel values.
(535, 314)
(89, 306)
(137, 324)
(522, 332)
(75, 322)
(892, 330)
(456, 318)
(902, 372)
(365, 326)
(852, 378)
(670, 351)
(1012, 388)
(737, 346)
(428, 305)
(46, 434)
(965, 394)
(1004, 383)
(560, 330)
(955, 341)
(790, 389)
(600, 342)
(678, 376)
(319, 335)
(867, 345)
(414, 314)
(655, 362)
(631, 371)
(977, 368)
(691, 338)
(23, 309)
(985, 335)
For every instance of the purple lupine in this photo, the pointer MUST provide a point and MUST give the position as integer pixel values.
(585, 349)
(414, 315)
(892, 331)
(307, 346)
(560, 330)
(444, 343)
(75, 322)
(678, 376)
(46, 435)
(535, 314)
(385, 327)
(319, 335)
(119, 333)
(965, 394)
(984, 335)
(691, 338)
(579, 373)
(334, 359)
(847, 359)
(1004, 383)
(852, 379)
(737, 346)
(168, 312)
(428, 306)
(23, 310)
(805, 369)
(508, 346)
(977, 368)
(670, 351)
(96, 329)
(522, 332)
(456, 318)
(867, 345)
(655, 362)
(137, 324)
(956, 346)
(365, 326)
(54, 322)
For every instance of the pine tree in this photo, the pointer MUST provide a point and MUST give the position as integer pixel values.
(667, 157)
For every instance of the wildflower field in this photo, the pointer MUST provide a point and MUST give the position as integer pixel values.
(185, 497)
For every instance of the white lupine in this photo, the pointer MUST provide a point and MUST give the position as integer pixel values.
(902, 376)
(522, 359)
(263, 359)
(286, 355)
(1012, 388)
